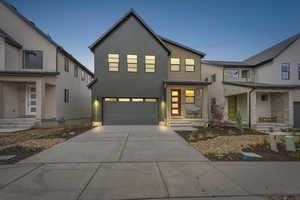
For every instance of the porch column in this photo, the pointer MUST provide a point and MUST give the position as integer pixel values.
(2, 54)
(253, 108)
(40, 96)
(206, 109)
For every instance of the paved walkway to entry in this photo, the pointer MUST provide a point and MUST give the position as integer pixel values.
(140, 162)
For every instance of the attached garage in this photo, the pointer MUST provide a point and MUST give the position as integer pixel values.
(296, 114)
(130, 111)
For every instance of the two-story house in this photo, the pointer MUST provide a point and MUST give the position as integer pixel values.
(264, 89)
(142, 78)
(40, 82)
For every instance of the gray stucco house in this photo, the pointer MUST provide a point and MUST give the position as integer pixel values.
(142, 78)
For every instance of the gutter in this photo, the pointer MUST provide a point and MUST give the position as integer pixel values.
(252, 90)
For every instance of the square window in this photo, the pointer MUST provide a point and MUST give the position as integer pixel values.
(245, 73)
(190, 96)
(175, 65)
(264, 97)
(33, 59)
(189, 65)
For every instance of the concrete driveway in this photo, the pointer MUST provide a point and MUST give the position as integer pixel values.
(140, 162)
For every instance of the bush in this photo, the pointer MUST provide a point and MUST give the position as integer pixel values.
(239, 123)
(295, 155)
(195, 134)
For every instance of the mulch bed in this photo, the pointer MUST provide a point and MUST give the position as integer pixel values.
(17, 143)
(209, 134)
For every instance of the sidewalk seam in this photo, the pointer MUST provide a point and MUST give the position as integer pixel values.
(163, 179)
(124, 146)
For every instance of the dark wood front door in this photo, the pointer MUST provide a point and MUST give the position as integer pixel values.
(175, 102)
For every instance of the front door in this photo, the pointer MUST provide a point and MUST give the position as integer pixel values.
(175, 102)
(31, 100)
(232, 107)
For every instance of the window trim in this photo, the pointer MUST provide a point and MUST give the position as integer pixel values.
(289, 71)
(194, 97)
(113, 62)
(137, 61)
(248, 73)
(150, 64)
(24, 63)
(175, 64)
(185, 65)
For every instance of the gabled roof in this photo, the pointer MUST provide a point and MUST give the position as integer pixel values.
(46, 36)
(182, 46)
(226, 63)
(9, 39)
(271, 52)
(131, 12)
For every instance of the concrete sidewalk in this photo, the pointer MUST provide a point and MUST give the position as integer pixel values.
(142, 162)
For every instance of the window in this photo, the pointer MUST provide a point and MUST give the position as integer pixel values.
(189, 65)
(110, 99)
(132, 63)
(67, 64)
(150, 100)
(75, 70)
(175, 64)
(124, 99)
(245, 73)
(213, 78)
(137, 100)
(264, 97)
(33, 59)
(149, 63)
(298, 71)
(66, 96)
(113, 62)
(285, 71)
(190, 96)
(82, 75)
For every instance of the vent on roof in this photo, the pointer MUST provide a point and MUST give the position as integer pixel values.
(32, 23)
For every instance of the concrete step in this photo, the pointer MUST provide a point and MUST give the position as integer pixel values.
(17, 122)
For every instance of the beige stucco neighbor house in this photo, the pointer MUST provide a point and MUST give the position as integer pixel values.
(264, 89)
(40, 83)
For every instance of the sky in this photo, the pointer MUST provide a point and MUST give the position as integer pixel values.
(223, 29)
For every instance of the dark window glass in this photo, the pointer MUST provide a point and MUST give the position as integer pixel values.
(245, 73)
(285, 71)
(33, 59)
(75, 71)
(213, 78)
(66, 96)
(66, 64)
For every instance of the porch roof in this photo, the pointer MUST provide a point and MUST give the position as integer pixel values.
(27, 73)
(260, 85)
(186, 82)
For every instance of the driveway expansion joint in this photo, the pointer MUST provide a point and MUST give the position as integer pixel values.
(163, 179)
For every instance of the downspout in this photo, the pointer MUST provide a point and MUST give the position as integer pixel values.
(250, 106)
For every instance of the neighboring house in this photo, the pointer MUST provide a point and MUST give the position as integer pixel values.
(264, 89)
(40, 83)
(142, 78)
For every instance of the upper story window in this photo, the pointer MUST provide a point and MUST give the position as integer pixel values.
(213, 78)
(75, 70)
(132, 63)
(175, 64)
(149, 63)
(83, 75)
(245, 73)
(298, 68)
(189, 65)
(285, 71)
(33, 59)
(67, 63)
(235, 74)
(67, 96)
(190, 96)
(113, 62)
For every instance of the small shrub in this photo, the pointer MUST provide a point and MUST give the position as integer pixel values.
(239, 123)
(295, 155)
(217, 114)
(253, 130)
(231, 132)
(210, 135)
(294, 133)
(31, 149)
(194, 134)
(271, 130)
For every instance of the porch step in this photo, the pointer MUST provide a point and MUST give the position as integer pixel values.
(17, 123)
(180, 123)
(275, 126)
